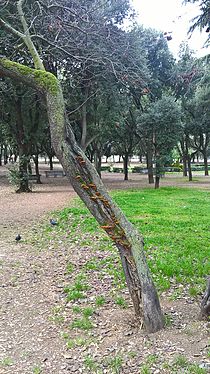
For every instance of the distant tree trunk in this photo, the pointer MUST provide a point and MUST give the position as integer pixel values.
(183, 153)
(5, 155)
(36, 162)
(150, 166)
(205, 159)
(1, 152)
(89, 187)
(29, 167)
(22, 147)
(189, 168)
(51, 162)
(157, 181)
(184, 166)
(98, 162)
(125, 166)
(23, 172)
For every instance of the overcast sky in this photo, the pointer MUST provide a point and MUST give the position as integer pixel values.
(171, 15)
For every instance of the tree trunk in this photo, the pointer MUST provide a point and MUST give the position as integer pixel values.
(205, 303)
(189, 168)
(188, 158)
(36, 162)
(29, 167)
(205, 159)
(5, 155)
(23, 171)
(157, 181)
(184, 165)
(1, 152)
(51, 162)
(150, 166)
(98, 162)
(125, 166)
(90, 188)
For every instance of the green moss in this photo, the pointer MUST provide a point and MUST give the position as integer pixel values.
(44, 79)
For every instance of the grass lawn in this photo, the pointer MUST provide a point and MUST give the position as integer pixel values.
(175, 223)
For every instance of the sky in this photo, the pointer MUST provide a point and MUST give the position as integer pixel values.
(172, 16)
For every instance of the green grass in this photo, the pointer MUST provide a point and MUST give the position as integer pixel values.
(176, 229)
(7, 361)
(82, 323)
(175, 224)
(100, 300)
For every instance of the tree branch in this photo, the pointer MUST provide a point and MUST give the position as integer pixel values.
(27, 38)
(9, 28)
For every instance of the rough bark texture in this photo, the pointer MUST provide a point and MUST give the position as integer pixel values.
(90, 188)
(205, 303)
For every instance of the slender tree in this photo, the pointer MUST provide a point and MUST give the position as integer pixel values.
(86, 181)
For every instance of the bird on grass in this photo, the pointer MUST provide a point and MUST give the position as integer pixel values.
(53, 222)
(18, 237)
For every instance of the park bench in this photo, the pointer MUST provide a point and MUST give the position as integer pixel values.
(54, 173)
(33, 177)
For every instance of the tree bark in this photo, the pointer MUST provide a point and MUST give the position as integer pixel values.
(205, 159)
(91, 190)
(150, 166)
(205, 303)
(5, 155)
(51, 162)
(125, 166)
(36, 162)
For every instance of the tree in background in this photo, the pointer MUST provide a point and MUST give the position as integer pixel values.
(163, 120)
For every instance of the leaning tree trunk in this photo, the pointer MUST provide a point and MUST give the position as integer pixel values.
(205, 303)
(90, 188)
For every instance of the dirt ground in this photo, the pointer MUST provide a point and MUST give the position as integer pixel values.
(31, 283)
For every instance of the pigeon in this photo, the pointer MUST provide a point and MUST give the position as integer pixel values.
(53, 222)
(18, 237)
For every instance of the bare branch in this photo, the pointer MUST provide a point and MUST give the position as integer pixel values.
(84, 102)
(11, 29)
